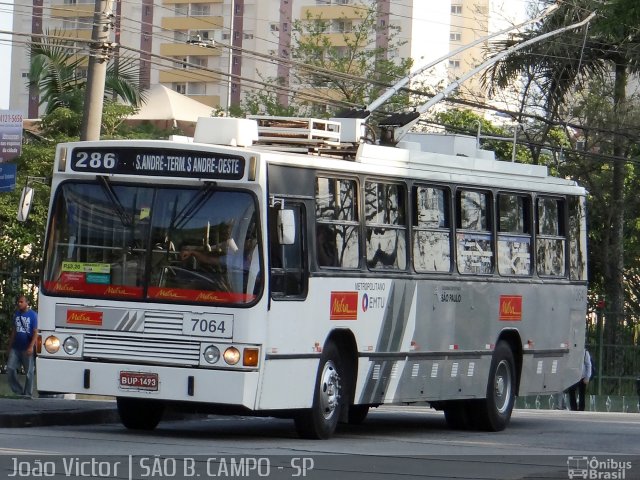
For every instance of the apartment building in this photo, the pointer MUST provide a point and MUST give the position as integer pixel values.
(196, 46)
(472, 20)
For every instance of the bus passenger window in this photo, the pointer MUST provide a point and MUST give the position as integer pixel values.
(431, 230)
(550, 241)
(337, 242)
(386, 227)
(473, 236)
(326, 248)
(577, 238)
(514, 234)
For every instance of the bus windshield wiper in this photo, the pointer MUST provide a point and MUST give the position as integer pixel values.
(192, 206)
(108, 189)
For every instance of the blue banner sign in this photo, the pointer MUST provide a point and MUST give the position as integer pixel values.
(7, 177)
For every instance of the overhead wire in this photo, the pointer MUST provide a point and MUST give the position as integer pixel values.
(224, 27)
(452, 128)
(322, 99)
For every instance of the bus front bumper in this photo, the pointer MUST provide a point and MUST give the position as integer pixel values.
(231, 387)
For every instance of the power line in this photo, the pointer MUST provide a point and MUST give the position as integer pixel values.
(318, 98)
(272, 60)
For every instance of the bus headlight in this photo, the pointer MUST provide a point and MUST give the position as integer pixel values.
(52, 344)
(232, 355)
(211, 354)
(70, 345)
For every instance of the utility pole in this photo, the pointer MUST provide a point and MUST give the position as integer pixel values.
(97, 71)
(231, 52)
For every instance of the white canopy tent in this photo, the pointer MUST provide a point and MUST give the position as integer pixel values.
(167, 108)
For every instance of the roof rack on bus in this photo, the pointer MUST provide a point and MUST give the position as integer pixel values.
(297, 130)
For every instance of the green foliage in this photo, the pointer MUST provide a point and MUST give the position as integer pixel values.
(466, 122)
(581, 77)
(62, 122)
(57, 72)
(266, 103)
(21, 244)
(113, 116)
(53, 71)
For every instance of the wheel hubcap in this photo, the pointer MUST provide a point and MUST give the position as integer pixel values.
(502, 386)
(329, 393)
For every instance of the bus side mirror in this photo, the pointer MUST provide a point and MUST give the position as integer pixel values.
(25, 204)
(286, 227)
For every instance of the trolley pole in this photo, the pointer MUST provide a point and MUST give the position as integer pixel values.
(97, 70)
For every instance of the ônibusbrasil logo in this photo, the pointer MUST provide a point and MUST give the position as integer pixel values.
(595, 468)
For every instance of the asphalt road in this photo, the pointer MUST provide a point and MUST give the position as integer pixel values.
(394, 443)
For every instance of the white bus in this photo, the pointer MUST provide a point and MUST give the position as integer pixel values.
(298, 276)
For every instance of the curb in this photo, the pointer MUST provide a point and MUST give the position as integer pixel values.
(45, 419)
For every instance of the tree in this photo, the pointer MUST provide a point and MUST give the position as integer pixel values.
(349, 71)
(21, 244)
(466, 122)
(558, 70)
(57, 71)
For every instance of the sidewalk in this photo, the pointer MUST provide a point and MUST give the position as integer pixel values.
(26, 412)
(16, 412)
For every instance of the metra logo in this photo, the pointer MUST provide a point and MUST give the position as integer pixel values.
(80, 317)
(344, 306)
(208, 297)
(117, 291)
(167, 293)
(65, 287)
(510, 307)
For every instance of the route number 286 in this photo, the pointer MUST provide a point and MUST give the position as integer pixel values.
(96, 160)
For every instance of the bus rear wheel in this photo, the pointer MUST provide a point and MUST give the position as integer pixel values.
(320, 421)
(494, 412)
(139, 414)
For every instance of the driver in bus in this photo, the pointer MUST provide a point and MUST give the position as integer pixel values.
(227, 255)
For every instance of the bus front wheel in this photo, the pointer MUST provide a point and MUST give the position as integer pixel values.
(494, 412)
(320, 421)
(139, 414)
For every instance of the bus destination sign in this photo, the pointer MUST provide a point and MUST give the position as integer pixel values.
(158, 161)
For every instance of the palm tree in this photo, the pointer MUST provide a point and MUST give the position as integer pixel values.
(56, 71)
(608, 48)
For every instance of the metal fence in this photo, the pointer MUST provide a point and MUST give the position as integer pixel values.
(617, 369)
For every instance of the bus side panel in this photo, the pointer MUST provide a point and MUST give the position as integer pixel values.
(434, 360)
(398, 317)
(426, 340)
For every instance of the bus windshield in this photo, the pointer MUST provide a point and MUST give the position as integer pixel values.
(162, 244)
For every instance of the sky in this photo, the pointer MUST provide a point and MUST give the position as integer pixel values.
(6, 21)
